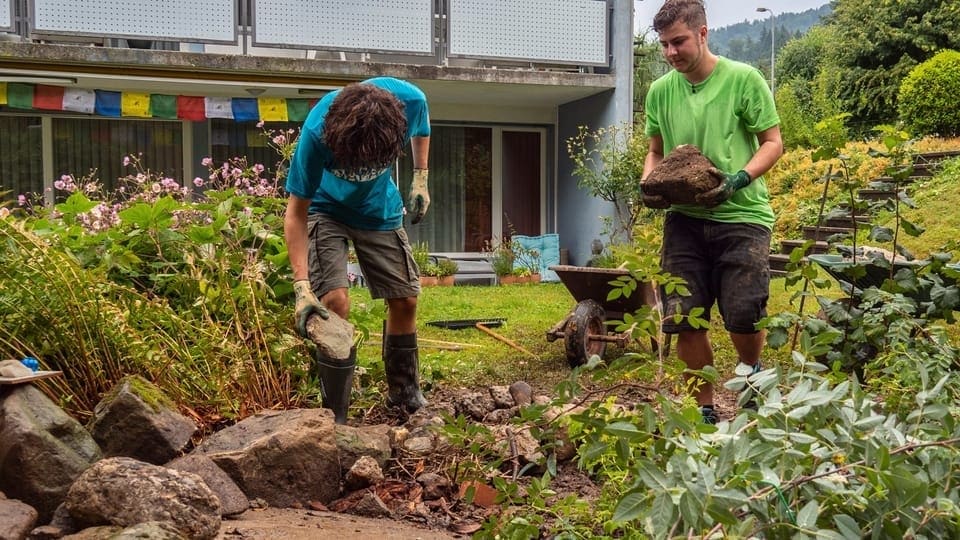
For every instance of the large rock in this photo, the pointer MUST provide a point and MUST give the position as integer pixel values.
(681, 176)
(125, 492)
(136, 420)
(333, 336)
(42, 449)
(16, 519)
(232, 500)
(356, 442)
(287, 458)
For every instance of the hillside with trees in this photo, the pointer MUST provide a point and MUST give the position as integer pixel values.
(749, 41)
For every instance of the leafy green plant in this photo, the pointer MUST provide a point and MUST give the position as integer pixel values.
(928, 95)
(149, 279)
(608, 163)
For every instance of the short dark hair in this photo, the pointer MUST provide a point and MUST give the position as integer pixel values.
(366, 127)
(690, 12)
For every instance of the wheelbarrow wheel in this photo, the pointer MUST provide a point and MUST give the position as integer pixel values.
(585, 322)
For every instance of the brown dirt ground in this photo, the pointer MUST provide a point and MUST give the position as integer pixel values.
(292, 524)
(439, 519)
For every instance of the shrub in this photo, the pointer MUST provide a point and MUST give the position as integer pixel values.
(928, 96)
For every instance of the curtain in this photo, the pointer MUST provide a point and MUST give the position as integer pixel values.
(231, 139)
(459, 218)
(21, 159)
(95, 148)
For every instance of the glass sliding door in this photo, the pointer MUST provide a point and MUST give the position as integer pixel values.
(485, 183)
(460, 189)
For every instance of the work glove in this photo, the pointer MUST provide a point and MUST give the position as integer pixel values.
(419, 196)
(307, 305)
(729, 184)
(653, 201)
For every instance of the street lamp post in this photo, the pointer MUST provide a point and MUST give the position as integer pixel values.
(773, 49)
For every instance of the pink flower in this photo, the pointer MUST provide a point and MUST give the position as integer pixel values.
(22, 200)
(198, 181)
(206, 162)
(260, 124)
(126, 160)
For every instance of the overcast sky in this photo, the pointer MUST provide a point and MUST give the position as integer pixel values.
(724, 12)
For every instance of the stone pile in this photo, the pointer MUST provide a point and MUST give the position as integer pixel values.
(136, 469)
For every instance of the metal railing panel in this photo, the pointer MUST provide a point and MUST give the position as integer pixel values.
(398, 26)
(200, 21)
(557, 31)
(6, 16)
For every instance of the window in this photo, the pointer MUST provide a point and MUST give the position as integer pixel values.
(95, 147)
(21, 157)
(230, 139)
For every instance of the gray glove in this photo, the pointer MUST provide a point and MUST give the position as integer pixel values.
(307, 305)
(419, 195)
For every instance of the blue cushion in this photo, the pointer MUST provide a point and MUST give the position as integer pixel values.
(548, 246)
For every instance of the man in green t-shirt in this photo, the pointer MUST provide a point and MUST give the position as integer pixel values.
(721, 245)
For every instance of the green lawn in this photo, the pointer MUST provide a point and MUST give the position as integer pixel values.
(529, 310)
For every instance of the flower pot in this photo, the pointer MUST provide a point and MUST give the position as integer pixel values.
(429, 281)
(508, 279)
(446, 281)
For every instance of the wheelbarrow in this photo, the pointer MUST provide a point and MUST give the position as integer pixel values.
(584, 330)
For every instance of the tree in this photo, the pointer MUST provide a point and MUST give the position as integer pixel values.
(880, 41)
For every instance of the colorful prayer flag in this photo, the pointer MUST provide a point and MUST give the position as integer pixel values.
(135, 104)
(272, 109)
(107, 103)
(245, 110)
(297, 109)
(48, 97)
(20, 95)
(163, 106)
(191, 108)
(79, 100)
(218, 107)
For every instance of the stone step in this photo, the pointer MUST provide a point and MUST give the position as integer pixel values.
(812, 233)
(845, 221)
(889, 180)
(777, 273)
(923, 170)
(778, 262)
(935, 157)
(875, 194)
(787, 246)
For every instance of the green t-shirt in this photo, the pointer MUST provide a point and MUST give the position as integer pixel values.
(721, 116)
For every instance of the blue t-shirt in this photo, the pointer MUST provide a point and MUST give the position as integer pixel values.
(368, 204)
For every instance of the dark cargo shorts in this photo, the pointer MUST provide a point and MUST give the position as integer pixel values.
(385, 258)
(726, 263)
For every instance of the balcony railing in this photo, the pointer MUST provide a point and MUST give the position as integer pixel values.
(524, 33)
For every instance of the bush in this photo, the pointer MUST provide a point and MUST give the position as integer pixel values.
(928, 96)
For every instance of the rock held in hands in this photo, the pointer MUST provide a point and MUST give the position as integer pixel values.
(681, 176)
(333, 336)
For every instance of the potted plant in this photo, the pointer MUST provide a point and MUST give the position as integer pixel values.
(446, 270)
(501, 258)
(421, 256)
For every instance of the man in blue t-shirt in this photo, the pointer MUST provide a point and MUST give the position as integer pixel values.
(342, 190)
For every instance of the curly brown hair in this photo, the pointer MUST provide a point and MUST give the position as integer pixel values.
(365, 128)
(690, 12)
